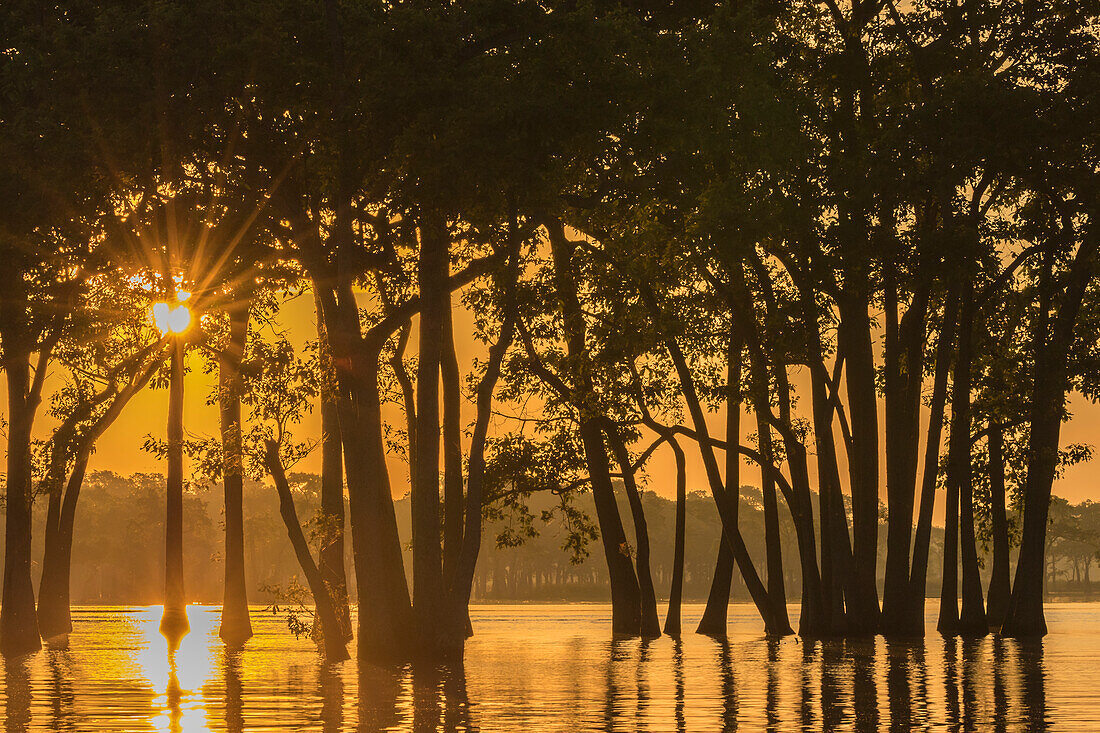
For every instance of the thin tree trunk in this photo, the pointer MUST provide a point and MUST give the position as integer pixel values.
(173, 622)
(453, 500)
(923, 536)
(999, 581)
(972, 621)
(676, 592)
(334, 646)
(427, 553)
(772, 542)
(236, 627)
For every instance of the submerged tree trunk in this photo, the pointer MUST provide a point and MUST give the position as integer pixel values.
(18, 618)
(676, 591)
(334, 645)
(999, 581)
(173, 622)
(236, 627)
(331, 555)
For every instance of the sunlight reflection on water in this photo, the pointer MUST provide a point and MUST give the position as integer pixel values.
(555, 668)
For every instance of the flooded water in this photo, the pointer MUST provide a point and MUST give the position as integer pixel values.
(555, 668)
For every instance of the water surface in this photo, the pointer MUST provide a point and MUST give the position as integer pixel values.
(555, 668)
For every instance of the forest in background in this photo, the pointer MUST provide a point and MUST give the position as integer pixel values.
(118, 553)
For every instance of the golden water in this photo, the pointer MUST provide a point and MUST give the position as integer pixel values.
(555, 668)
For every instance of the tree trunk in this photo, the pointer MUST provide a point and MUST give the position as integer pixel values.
(334, 646)
(384, 622)
(923, 536)
(173, 622)
(236, 627)
(453, 500)
(713, 620)
(18, 618)
(854, 342)
(772, 541)
(676, 592)
(332, 485)
(625, 590)
(972, 621)
(904, 355)
(1024, 616)
(427, 553)
(650, 623)
(54, 614)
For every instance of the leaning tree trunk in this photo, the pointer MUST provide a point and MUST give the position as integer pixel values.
(236, 626)
(18, 619)
(335, 647)
(999, 581)
(173, 622)
(54, 614)
(331, 555)
(676, 592)
(713, 620)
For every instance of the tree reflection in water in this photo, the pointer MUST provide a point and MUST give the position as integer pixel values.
(550, 684)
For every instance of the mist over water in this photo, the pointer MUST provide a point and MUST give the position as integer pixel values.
(556, 668)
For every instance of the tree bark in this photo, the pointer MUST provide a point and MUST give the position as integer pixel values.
(972, 621)
(453, 500)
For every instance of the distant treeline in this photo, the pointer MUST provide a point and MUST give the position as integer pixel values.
(118, 553)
